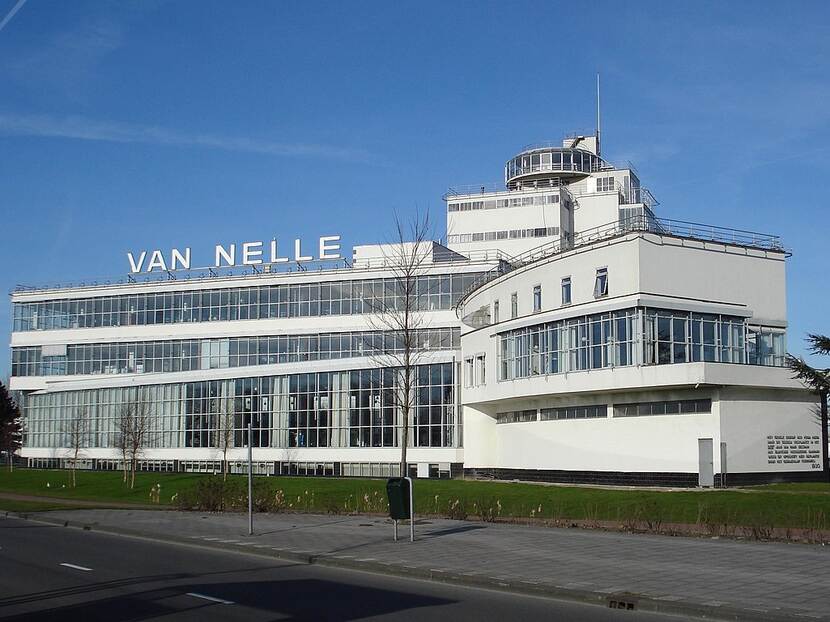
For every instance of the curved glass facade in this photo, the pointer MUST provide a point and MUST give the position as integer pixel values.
(551, 160)
(635, 336)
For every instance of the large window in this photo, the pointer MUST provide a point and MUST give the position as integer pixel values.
(605, 184)
(766, 346)
(434, 420)
(327, 409)
(680, 337)
(631, 337)
(194, 354)
(586, 342)
(434, 292)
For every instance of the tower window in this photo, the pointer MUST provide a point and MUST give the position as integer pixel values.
(537, 298)
(601, 283)
(566, 290)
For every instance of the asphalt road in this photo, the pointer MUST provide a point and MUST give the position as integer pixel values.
(56, 573)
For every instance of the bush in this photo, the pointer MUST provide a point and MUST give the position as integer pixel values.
(488, 509)
(208, 495)
(456, 510)
(213, 494)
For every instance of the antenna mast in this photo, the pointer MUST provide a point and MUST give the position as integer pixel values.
(599, 151)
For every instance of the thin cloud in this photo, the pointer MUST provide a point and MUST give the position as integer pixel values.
(12, 13)
(82, 128)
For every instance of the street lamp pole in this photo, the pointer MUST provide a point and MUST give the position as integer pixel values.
(250, 483)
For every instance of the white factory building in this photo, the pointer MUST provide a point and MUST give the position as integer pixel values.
(567, 333)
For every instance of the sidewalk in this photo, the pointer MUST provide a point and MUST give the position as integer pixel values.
(713, 578)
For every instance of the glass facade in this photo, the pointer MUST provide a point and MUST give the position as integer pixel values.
(327, 409)
(504, 234)
(672, 407)
(585, 342)
(635, 337)
(523, 201)
(197, 354)
(555, 159)
(435, 292)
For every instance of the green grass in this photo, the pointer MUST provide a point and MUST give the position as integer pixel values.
(93, 485)
(796, 487)
(779, 505)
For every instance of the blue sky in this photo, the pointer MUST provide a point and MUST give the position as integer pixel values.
(155, 124)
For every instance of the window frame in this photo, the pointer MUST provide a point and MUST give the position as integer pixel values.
(602, 272)
(566, 280)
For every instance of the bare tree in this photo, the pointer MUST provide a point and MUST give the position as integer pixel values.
(225, 420)
(123, 425)
(399, 315)
(134, 433)
(76, 433)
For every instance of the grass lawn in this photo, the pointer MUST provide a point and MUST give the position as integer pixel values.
(784, 505)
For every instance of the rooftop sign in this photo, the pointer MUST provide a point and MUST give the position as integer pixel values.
(244, 254)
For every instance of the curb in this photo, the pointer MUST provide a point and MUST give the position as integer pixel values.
(616, 600)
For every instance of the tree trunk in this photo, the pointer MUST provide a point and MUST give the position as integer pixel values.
(404, 441)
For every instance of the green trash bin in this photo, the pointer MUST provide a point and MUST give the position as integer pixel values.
(397, 492)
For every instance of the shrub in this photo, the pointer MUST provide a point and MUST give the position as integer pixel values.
(456, 510)
(488, 510)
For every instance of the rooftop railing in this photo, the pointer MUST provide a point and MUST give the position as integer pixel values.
(628, 196)
(644, 223)
(487, 256)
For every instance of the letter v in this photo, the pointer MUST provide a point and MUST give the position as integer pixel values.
(133, 266)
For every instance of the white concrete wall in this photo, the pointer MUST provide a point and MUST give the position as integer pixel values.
(716, 272)
(665, 443)
(750, 417)
(595, 210)
(620, 256)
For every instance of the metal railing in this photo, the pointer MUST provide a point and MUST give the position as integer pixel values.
(630, 196)
(499, 188)
(645, 224)
(263, 270)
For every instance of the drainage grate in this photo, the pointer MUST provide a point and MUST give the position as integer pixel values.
(616, 603)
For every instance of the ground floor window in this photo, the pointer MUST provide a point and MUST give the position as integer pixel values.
(357, 408)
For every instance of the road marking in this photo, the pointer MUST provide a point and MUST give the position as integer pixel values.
(76, 567)
(210, 598)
